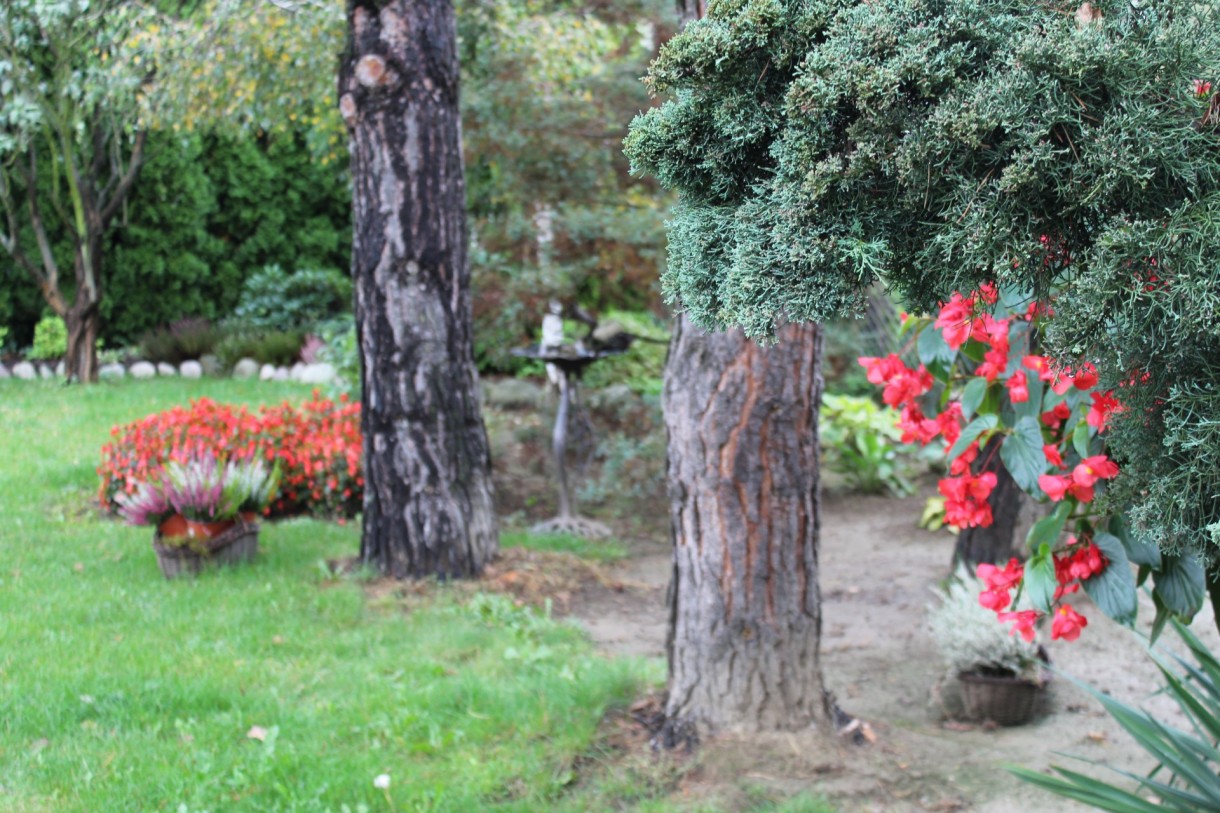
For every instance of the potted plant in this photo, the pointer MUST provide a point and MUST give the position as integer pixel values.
(205, 511)
(1000, 673)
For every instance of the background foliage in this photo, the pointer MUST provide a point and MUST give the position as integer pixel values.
(247, 168)
(207, 211)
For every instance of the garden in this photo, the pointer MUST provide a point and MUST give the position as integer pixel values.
(828, 422)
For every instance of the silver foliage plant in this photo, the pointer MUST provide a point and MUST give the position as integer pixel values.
(968, 636)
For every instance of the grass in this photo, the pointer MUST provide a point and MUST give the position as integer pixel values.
(273, 687)
(596, 550)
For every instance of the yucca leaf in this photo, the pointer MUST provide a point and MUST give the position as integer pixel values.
(1198, 711)
(1091, 791)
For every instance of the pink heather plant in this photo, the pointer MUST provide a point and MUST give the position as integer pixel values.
(147, 505)
(203, 489)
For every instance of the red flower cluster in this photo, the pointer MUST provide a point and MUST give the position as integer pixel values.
(987, 343)
(317, 446)
(966, 503)
(1072, 566)
(999, 582)
(1079, 483)
(965, 494)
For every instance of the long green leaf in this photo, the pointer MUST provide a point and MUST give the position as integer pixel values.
(1088, 790)
(1040, 580)
(1047, 530)
(972, 396)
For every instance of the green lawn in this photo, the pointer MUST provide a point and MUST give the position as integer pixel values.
(120, 691)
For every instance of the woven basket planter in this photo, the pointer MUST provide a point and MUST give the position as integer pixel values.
(235, 545)
(1007, 701)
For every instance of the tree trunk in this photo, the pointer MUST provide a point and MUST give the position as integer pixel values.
(745, 610)
(83, 321)
(1003, 538)
(428, 494)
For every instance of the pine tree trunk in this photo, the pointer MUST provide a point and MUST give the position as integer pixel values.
(745, 610)
(428, 494)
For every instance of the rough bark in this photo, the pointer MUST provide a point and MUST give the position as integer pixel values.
(1010, 510)
(428, 495)
(745, 609)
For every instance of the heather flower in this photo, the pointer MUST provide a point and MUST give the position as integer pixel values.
(147, 505)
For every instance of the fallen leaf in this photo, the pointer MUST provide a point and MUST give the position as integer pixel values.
(1096, 736)
(257, 732)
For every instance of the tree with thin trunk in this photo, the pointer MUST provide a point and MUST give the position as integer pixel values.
(428, 506)
(71, 145)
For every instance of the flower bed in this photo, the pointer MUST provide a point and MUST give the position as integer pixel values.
(317, 446)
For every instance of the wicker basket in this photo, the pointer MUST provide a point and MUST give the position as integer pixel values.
(1004, 700)
(236, 545)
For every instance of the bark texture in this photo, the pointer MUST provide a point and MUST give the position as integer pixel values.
(1012, 514)
(745, 609)
(428, 494)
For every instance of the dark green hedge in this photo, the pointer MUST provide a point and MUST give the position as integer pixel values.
(206, 213)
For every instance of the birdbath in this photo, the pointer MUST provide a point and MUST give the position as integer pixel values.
(569, 362)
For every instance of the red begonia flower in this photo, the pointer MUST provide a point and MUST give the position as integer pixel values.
(1023, 622)
(1067, 624)
(1018, 388)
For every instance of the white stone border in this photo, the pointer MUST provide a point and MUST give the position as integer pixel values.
(321, 373)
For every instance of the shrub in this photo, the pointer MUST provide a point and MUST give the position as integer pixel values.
(185, 339)
(969, 639)
(50, 338)
(643, 365)
(275, 300)
(3, 336)
(862, 442)
(1064, 149)
(317, 447)
(280, 348)
(341, 350)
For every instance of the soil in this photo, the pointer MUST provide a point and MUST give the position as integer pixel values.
(878, 659)
(878, 573)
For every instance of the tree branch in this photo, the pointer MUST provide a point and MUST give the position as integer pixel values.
(111, 207)
(50, 268)
(9, 242)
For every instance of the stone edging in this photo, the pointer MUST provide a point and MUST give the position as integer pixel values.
(321, 373)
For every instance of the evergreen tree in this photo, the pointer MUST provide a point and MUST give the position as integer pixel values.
(1068, 151)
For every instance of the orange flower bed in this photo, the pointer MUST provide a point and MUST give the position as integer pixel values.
(317, 446)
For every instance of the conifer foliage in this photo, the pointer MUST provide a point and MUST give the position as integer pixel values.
(1068, 150)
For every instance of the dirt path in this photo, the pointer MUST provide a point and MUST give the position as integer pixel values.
(882, 665)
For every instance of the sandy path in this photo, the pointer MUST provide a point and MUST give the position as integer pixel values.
(882, 665)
